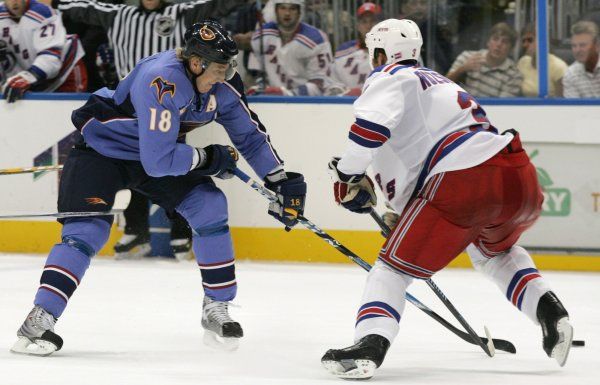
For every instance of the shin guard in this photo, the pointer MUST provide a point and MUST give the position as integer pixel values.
(516, 275)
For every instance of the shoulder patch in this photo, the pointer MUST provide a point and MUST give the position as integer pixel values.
(267, 29)
(163, 87)
(39, 10)
(346, 48)
(309, 35)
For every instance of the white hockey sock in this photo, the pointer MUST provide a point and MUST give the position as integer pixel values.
(516, 275)
(382, 303)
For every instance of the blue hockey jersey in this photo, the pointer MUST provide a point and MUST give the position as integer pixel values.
(156, 104)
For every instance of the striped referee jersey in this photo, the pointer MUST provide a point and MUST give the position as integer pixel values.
(135, 33)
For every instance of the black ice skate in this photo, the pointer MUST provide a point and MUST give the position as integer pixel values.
(132, 246)
(557, 331)
(359, 361)
(182, 249)
(36, 335)
(221, 331)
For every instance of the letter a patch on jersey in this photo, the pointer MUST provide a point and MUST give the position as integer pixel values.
(163, 87)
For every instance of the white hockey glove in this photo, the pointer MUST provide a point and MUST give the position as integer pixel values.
(354, 192)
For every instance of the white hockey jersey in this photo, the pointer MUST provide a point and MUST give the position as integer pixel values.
(302, 66)
(351, 66)
(39, 44)
(413, 123)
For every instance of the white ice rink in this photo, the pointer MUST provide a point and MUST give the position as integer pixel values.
(138, 323)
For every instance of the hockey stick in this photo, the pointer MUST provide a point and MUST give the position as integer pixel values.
(498, 344)
(121, 202)
(25, 170)
(488, 346)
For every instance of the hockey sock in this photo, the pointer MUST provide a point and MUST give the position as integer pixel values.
(516, 276)
(213, 249)
(205, 209)
(382, 303)
(67, 262)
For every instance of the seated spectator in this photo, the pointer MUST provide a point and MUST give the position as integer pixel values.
(489, 72)
(38, 53)
(294, 56)
(351, 67)
(528, 67)
(582, 79)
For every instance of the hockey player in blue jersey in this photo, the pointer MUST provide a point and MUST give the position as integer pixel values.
(130, 141)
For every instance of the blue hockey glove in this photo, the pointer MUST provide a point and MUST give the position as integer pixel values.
(354, 192)
(217, 160)
(291, 195)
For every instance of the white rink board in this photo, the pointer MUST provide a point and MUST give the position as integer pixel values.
(567, 140)
(138, 323)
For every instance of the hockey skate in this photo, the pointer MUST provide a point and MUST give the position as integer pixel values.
(556, 329)
(221, 331)
(36, 335)
(132, 246)
(359, 361)
(182, 249)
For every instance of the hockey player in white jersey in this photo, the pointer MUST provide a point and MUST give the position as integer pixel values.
(45, 57)
(295, 57)
(352, 64)
(457, 184)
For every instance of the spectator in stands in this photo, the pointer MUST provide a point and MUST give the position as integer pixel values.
(295, 57)
(351, 66)
(37, 54)
(582, 79)
(489, 72)
(418, 11)
(528, 67)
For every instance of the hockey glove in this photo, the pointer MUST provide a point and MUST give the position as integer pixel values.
(217, 160)
(291, 195)
(354, 192)
(17, 85)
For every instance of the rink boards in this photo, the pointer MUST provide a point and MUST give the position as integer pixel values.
(562, 138)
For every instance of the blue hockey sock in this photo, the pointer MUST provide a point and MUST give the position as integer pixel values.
(214, 253)
(67, 262)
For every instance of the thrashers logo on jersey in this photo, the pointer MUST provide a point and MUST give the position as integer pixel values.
(163, 87)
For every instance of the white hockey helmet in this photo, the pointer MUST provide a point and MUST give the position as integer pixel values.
(399, 39)
(295, 2)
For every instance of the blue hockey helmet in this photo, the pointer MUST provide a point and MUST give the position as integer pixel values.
(211, 42)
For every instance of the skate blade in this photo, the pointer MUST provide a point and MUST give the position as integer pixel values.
(34, 348)
(561, 351)
(137, 252)
(351, 369)
(215, 341)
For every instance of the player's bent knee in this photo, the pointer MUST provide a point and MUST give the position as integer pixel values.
(87, 235)
(204, 207)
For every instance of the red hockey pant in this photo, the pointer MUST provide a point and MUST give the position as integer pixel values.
(489, 205)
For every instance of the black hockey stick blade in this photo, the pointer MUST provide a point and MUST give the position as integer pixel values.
(498, 344)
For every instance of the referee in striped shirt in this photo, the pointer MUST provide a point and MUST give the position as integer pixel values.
(137, 32)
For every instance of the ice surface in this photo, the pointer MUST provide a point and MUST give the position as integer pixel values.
(138, 323)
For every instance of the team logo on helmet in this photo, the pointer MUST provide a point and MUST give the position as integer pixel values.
(206, 33)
